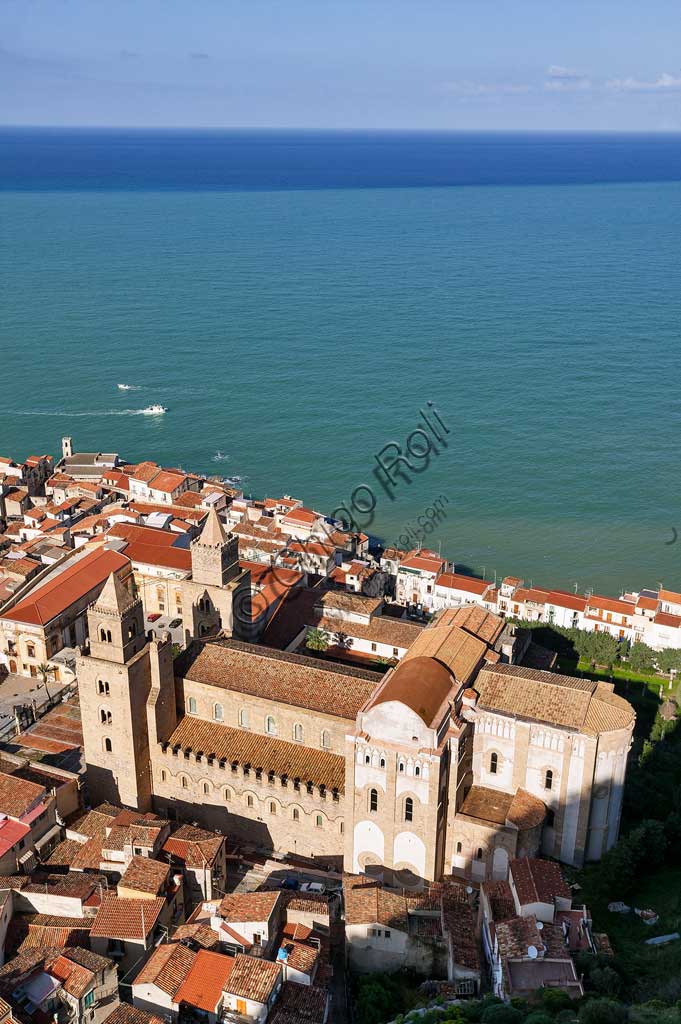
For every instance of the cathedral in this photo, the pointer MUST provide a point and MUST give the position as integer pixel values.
(456, 760)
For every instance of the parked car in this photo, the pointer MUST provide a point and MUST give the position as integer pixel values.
(314, 887)
(174, 623)
(290, 883)
(153, 617)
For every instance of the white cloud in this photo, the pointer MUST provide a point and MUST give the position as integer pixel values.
(560, 79)
(663, 83)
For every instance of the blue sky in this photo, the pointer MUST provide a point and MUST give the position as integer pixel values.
(450, 64)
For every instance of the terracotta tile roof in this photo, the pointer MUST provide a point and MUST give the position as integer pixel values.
(563, 599)
(380, 629)
(287, 678)
(300, 517)
(307, 902)
(148, 546)
(126, 918)
(453, 647)
(167, 967)
(422, 684)
(45, 931)
(127, 1014)
(145, 875)
(367, 902)
(666, 619)
(533, 695)
(253, 978)
(91, 824)
(475, 620)
(460, 926)
(237, 907)
(59, 592)
(500, 899)
(89, 856)
(17, 796)
(200, 934)
(609, 604)
(167, 482)
(422, 563)
(279, 756)
(496, 807)
(74, 884)
(455, 581)
(140, 832)
(194, 846)
(206, 980)
(145, 471)
(670, 596)
(299, 956)
(75, 978)
(538, 881)
(303, 1002)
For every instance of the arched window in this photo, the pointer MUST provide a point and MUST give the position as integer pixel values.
(296, 814)
(417, 771)
(270, 726)
(227, 795)
(493, 763)
(382, 762)
(102, 687)
(249, 800)
(478, 854)
(273, 807)
(164, 775)
(373, 800)
(102, 634)
(298, 732)
(104, 716)
(191, 705)
(132, 630)
(548, 779)
(218, 713)
(409, 809)
(401, 766)
(206, 788)
(319, 821)
(326, 739)
(243, 718)
(108, 636)
(367, 758)
(107, 745)
(459, 847)
(341, 827)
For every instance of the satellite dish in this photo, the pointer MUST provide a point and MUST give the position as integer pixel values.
(540, 925)
(532, 952)
(469, 890)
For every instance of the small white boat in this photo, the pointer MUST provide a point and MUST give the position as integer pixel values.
(154, 410)
(124, 387)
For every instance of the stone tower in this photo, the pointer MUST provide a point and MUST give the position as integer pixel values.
(215, 558)
(114, 681)
(210, 597)
(67, 447)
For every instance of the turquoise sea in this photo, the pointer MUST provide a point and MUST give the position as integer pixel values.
(294, 301)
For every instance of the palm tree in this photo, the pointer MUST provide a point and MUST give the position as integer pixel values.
(45, 670)
(343, 641)
(317, 640)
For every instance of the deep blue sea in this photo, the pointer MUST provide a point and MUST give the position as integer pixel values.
(295, 298)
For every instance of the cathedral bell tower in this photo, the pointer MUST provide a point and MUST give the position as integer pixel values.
(114, 682)
(215, 555)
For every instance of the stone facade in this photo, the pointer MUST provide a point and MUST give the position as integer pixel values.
(449, 763)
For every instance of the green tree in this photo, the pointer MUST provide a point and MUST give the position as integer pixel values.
(641, 658)
(317, 640)
(45, 670)
(501, 1013)
(602, 1011)
(343, 641)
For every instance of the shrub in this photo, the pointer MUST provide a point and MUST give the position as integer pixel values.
(501, 1013)
(602, 1011)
